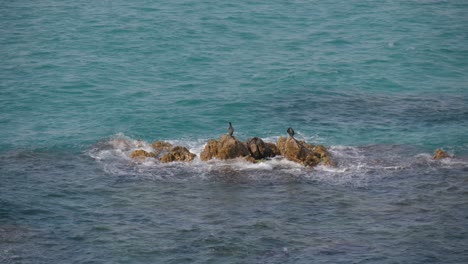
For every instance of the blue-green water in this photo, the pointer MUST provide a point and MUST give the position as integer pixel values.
(383, 83)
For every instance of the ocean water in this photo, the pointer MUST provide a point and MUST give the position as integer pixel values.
(381, 83)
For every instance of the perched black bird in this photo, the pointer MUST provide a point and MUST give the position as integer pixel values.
(230, 129)
(291, 132)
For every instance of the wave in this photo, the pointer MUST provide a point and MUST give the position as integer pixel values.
(354, 164)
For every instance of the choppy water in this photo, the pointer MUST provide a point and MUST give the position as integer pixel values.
(383, 83)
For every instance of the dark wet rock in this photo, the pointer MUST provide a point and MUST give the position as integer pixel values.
(440, 154)
(226, 147)
(261, 150)
(301, 152)
(142, 154)
(177, 153)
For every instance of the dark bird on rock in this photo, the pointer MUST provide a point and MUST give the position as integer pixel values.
(230, 129)
(291, 132)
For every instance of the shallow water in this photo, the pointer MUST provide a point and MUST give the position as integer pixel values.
(382, 84)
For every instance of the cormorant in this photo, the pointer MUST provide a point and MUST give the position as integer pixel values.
(291, 132)
(230, 129)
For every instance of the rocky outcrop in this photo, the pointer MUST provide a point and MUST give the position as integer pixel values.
(226, 147)
(301, 152)
(142, 154)
(440, 154)
(261, 150)
(177, 154)
(254, 150)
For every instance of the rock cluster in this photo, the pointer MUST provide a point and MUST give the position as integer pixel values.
(253, 150)
(440, 154)
(228, 147)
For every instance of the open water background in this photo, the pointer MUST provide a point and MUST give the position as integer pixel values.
(382, 83)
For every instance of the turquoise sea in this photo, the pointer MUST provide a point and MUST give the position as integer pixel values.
(84, 83)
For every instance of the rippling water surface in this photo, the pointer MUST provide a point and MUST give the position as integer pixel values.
(382, 83)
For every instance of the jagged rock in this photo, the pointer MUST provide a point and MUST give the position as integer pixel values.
(160, 147)
(301, 152)
(440, 154)
(141, 154)
(226, 147)
(177, 154)
(210, 151)
(273, 148)
(260, 150)
(296, 151)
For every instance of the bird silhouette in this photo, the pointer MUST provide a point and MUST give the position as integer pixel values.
(291, 132)
(230, 129)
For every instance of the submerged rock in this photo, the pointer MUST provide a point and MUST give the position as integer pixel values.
(167, 152)
(261, 150)
(177, 153)
(226, 147)
(161, 145)
(301, 152)
(142, 154)
(440, 154)
(250, 159)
